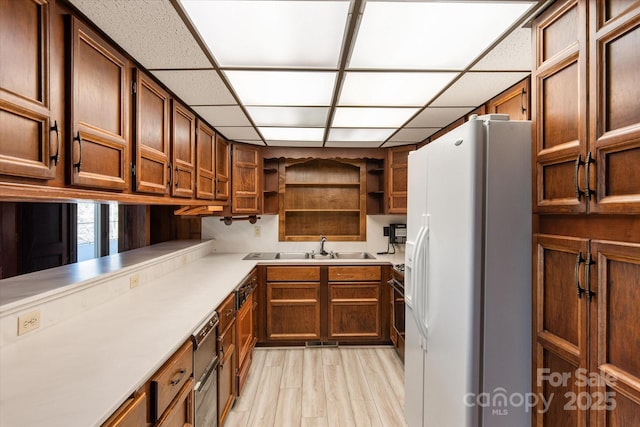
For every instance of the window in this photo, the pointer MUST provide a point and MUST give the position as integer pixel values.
(97, 230)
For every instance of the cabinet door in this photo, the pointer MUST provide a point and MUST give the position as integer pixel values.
(559, 108)
(183, 150)
(398, 164)
(246, 182)
(205, 161)
(99, 112)
(222, 168)
(354, 310)
(29, 137)
(180, 412)
(152, 169)
(560, 327)
(226, 371)
(614, 98)
(615, 333)
(513, 101)
(293, 311)
(132, 413)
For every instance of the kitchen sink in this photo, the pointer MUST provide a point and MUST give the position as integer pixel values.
(292, 255)
(353, 255)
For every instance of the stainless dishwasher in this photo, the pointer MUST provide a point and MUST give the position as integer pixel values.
(205, 372)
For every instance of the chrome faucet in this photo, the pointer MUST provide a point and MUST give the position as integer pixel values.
(323, 239)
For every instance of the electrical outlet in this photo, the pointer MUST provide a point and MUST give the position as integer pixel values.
(134, 281)
(28, 322)
(385, 231)
(257, 231)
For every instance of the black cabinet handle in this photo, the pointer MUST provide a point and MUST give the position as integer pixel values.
(56, 156)
(588, 192)
(579, 260)
(579, 192)
(179, 378)
(587, 271)
(177, 175)
(79, 164)
(523, 101)
(170, 168)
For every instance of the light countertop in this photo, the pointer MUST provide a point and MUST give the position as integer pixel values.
(77, 372)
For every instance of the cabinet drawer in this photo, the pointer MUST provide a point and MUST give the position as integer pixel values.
(169, 379)
(292, 274)
(226, 312)
(226, 344)
(354, 291)
(180, 413)
(132, 413)
(355, 273)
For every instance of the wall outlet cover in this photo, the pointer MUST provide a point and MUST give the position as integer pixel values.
(28, 322)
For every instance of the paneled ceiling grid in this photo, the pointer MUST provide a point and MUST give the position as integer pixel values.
(348, 73)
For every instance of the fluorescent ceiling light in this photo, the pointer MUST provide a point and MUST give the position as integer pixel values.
(371, 117)
(344, 134)
(430, 35)
(300, 88)
(292, 134)
(392, 89)
(271, 33)
(289, 116)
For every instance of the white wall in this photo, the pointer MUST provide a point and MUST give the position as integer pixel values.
(241, 236)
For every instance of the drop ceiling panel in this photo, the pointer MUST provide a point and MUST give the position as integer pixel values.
(397, 144)
(295, 143)
(391, 89)
(474, 89)
(149, 30)
(226, 115)
(513, 53)
(289, 116)
(238, 133)
(351, 144)
(271, 33)
(359, 134)
(291, 134)
(295, 88)
(438, 117)
(197, 87)
(371, 117)
(430, 35)
(407, 135)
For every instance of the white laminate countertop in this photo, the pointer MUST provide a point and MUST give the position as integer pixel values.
(77, 372)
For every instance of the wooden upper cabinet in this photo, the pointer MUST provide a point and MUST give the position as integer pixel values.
(29, 137)
(222, 183)
(246, 181)
(559, 108)
(183, 150)
(152, 142)
(614, 108)
(397, 168)
(99, 86)
(205, 162)
(513, 101)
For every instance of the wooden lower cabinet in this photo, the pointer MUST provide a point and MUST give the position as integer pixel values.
(326, 303)
(170, 382)
(245, 338)
(226, 356)
(132, 413)
(180, 412)
(587, 331)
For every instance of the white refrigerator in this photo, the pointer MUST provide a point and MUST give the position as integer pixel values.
(468, 277)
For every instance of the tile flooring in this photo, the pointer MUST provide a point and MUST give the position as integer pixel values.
(347, 386)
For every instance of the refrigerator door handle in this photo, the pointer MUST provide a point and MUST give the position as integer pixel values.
(420, 278)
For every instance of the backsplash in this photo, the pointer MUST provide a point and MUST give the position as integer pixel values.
(242, 236)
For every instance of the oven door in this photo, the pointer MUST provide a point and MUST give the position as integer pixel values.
(398, 307)
(206, 398)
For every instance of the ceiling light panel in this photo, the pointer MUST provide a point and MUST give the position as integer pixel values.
(438, 117)
(392, 89)
(430, 35)
(289, 116)
(408, 135)
(238, 133)
(271, 33)
(278, 88)
(372, 117)
(360, 134)
(291, 134)
(347, 144)
(474, 88)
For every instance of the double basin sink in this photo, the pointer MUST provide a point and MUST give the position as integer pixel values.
(308, 255)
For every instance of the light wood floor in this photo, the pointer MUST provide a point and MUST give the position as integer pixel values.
(322, 387)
